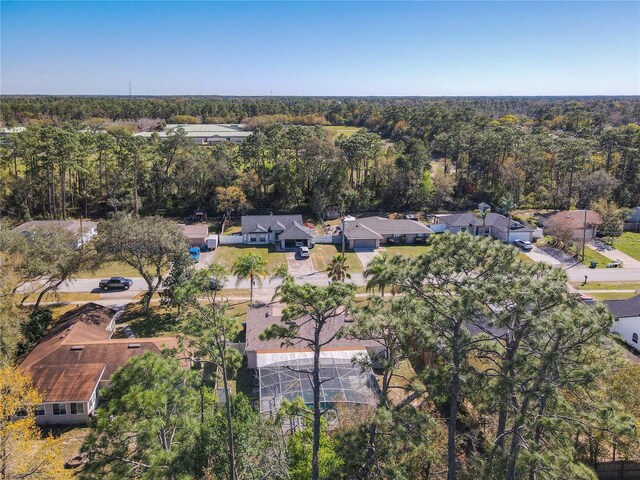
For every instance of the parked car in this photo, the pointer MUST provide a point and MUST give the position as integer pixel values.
(304, 252)
(195, 253)
(115, 282)
(524, 244)
(618, 263)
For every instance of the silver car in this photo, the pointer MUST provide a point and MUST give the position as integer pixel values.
(524, 244)
(304, 252)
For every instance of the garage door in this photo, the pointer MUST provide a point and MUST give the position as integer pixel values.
(364, 244)
(513, 236)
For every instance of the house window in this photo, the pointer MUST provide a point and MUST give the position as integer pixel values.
(76, 408)
(634, 338)
(263, 238)
(59, 408)
(40, 411)
(252, 238)
(21, 413)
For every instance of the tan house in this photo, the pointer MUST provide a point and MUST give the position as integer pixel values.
(196, 233)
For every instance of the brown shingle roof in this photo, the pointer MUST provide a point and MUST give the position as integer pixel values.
(64, 365)
(575, 218)
(60, 383)
(87, 322)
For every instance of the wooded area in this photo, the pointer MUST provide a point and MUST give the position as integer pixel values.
(78, 156)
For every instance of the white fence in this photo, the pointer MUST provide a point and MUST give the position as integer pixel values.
(229, 239)
(327, 238)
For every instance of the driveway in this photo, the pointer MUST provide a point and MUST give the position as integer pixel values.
(366, 255)
(539, 255)
(610, 252)
(299, 267)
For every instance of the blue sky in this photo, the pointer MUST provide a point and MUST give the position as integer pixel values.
(321, 48)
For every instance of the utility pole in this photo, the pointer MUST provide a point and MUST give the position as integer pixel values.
(343, 238)
(129, 87)
(584, 233)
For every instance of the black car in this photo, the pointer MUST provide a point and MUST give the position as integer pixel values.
(116, 282)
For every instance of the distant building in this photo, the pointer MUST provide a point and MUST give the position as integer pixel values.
(204, 134)
(76, 358)
(632, 223)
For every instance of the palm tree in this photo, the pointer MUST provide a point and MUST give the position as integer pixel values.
(251, 266)
(378, 274)
(337, 269)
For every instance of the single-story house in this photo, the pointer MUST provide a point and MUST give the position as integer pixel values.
(196, 233)
(458, 222)
(371, 232)
(84, 230)
(493, 224)
(627, 319)
(582, 223)
(76, 358)
(286, 231)
(501, 228)
(204, 133)
(281, 368)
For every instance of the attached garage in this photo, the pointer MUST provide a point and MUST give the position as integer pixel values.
(364, 243)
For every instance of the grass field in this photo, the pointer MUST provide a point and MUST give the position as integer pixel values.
(227, 255)
(339, 130)
(611, 295)
(629, 243)
(525, 258)
(322, 254)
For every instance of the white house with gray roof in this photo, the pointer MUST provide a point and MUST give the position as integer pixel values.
(285, 231)
(493, 224)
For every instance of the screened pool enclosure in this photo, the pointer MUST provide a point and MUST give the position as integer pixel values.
(289, 379)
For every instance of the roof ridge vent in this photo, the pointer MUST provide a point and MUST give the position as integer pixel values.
(77, 347)
(133, 345)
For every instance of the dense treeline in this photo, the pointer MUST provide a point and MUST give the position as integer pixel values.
(339, 110)
(410, 155)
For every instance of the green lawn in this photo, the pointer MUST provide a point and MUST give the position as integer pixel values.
(340, 130)
(406, 250)
(525, 258)
(591, 255)
(323, 253)
(628, 243)
(227, 255)
(607, 286)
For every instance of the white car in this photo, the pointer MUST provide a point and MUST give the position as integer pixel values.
(523, 244)
(304, 252)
